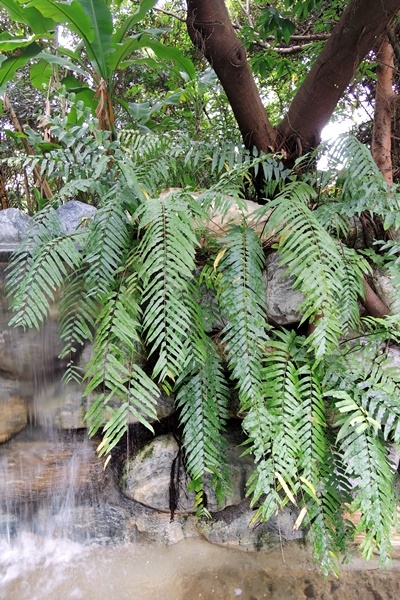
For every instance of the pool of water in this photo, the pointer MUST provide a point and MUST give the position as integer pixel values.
(37, 568)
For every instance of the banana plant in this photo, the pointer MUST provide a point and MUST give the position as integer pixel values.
(106, 49)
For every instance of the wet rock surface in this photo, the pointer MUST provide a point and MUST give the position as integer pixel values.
(282, 301)
(147, 476)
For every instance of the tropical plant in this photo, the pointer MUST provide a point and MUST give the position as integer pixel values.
(319, 412)
(91, 73)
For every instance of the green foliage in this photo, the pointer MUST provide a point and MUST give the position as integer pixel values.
(319, 412)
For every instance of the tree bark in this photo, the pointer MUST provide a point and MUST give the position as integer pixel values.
(355, 34)
(212, 32)
(41, 182)
(381, 146)
(3, 194)
(353, 37)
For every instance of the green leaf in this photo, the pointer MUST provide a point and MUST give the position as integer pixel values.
(173, 54)
(144, 7)
(11, 65)
(31, 16)
(71, 14)
(101, 46)
(56, 59)
(9, 44)
(40, 74)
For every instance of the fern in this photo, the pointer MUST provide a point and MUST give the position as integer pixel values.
(319, 412)
(38, 273)
(167, 253)
(243, 300)
(125, 387)
(107, 245)
(316, 263)
(202, 401)
(77, 316)
(363, 187)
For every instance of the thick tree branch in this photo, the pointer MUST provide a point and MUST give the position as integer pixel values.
(212, 32)
(353, 37)
(381, 146)
(374, 306)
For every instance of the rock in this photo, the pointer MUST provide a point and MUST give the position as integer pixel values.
(74, 213)
(147, 476)
(15, 226)
(383, 286)
(63, 406)
(283, 303)
(13, 415)
(50, 472)
(232, 527)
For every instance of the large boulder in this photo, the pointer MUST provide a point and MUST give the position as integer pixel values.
(13, 410)
(147, 476)
(74, 214)
(283, 302)
(15, 226)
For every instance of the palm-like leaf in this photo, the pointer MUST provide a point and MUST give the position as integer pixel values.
(243, 301)
(167, 252)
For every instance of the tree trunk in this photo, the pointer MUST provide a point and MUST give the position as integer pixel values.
(211, 31)
(382, 133)
(355, 34)
(352, 38)
(41, 182)
(3, 194)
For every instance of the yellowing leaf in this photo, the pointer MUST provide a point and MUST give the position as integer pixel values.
(218, 258)
(311, 488)
(300, 518)
(285, 488)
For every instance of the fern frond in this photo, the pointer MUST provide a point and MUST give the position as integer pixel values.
(126, 388)
(202, 399)
(166, 258)
(377, 384)
(364, 188)
(107, 245)
(328, 529)
(77, 316)
(314, 260)
(271, 425)
(242, 299)
(38, 274)
(366, 459)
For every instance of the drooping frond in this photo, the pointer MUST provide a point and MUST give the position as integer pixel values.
(314, 260)
(242, 299)
(328, 528)
(271, 427)
(355, 267)
(166, 257)
(121, 385)
(374, 383)
(107, 245)
(366, 458)
(38, 273)
(324, 487)
(202, 400)
(77, 315)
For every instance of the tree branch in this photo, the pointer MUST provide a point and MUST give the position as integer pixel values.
(352, 38)
(212, 32)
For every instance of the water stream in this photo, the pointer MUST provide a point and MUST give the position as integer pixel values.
(50, 548)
